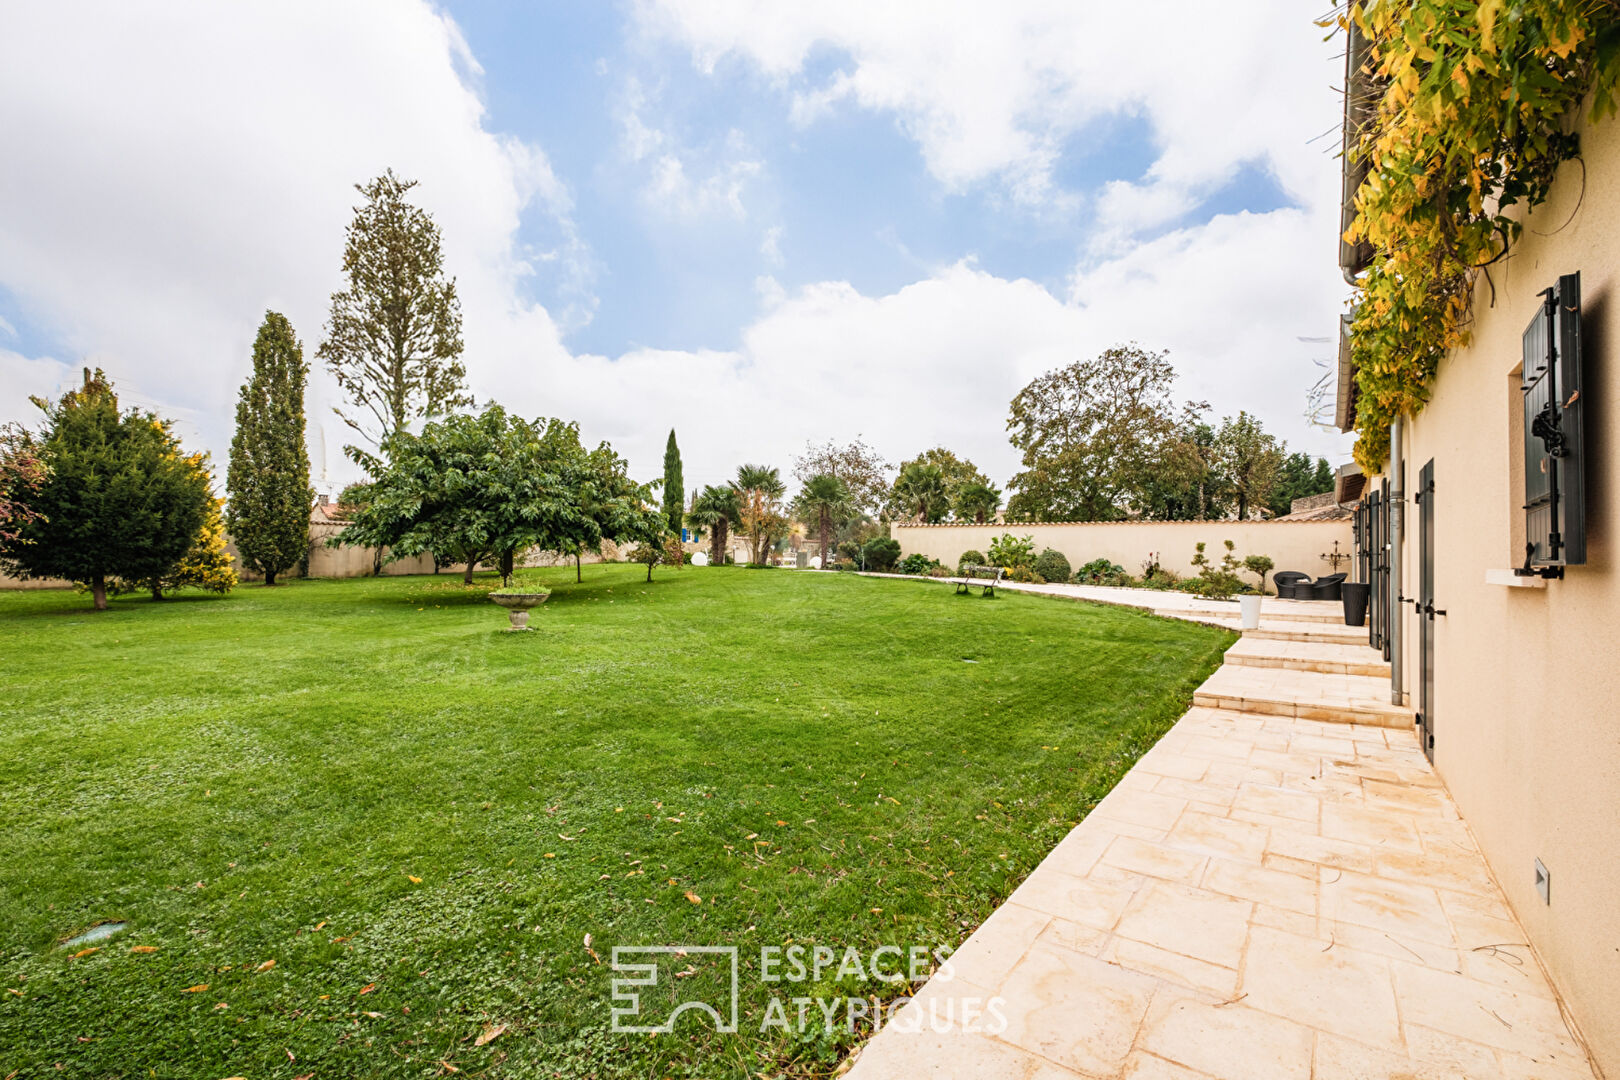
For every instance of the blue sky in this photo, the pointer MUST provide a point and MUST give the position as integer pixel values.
(761, 225)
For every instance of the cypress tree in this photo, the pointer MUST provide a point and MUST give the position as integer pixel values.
(268, 477)
(674, 489)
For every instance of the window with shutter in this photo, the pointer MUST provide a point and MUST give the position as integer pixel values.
(1554, 457)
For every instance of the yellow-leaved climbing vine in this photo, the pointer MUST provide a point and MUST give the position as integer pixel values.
(1478, 102)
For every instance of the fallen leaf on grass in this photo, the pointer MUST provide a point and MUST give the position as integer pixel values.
(590, 950)
(368, 988)
(375, 1015)
(143, 948)
(266, 966)
(781, 823)
(199, 988)
(414, 880)
(694, 897)
(82, 953)
(490, 1035)
(549, 855)
(221, 1005)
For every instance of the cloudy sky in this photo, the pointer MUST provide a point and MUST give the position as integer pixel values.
(754, 222)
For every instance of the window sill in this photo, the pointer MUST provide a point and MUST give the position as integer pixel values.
(1508, 579)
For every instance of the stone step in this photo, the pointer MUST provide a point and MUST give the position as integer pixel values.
(1278, 630)
(1331, 658)
(1308, 695)
(1331, 613)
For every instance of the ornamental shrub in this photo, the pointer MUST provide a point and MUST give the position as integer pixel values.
(970, 557)
(1102, 572)
(1052, 566)
(916, 563)
(1023, 575)
(1012, 551)
(881, 553)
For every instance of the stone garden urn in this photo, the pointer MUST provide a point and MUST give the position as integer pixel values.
(517, 603)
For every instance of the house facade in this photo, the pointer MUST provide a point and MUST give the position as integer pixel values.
(1492, 541)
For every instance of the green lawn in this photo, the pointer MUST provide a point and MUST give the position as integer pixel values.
(419, 817)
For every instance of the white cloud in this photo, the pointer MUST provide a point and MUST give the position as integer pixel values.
(171, 174)
(993, 92)
(721, 173)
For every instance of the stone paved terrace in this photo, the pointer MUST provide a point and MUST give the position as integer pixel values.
(1262, 896)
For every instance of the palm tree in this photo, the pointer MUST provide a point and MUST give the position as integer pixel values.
(760, 489)
(823, 498)
(716, 509)
(921, 489)
(977, 501)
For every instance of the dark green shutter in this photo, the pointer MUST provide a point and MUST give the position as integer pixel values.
(1554, 454)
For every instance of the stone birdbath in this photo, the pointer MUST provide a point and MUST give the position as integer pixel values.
(517, 603)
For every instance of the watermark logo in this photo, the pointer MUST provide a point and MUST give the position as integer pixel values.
(660, 982)
(644, 980)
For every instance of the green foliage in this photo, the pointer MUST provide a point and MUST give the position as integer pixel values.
(1298, 478)
(1469, 129)
(393, 338)
(921, 493)
(1218, 581)
(267, 479)
(862, 469)
(759, 491)
(1052, 565)
(1024, 575)
(881, 553)
(1102, 572)
(22, 471)
(716, 510)
(970, 557)
(122, 498)
(1012, 551)
(1093, 436)
(471, 488)
(1249, 459)
(206, 566)
(823, 501)
(917, 563)
(977, 502)
(1260, 566)
(674, 485)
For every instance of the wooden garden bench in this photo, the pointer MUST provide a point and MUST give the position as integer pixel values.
(986, 577)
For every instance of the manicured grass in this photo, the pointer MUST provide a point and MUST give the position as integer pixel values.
(419, 817)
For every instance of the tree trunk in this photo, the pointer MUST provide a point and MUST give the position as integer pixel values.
(269, 577)
(649, 571)
(577, 578)
(98, 591)
(508, 558)
(466, 578)
(1243, 506)
(157, 590)
(826, 525)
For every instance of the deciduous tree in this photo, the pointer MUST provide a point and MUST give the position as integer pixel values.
(393, 338)
(1091, 435)
(1249, 458)
(22, 471)
(862, 469)
(268, 476)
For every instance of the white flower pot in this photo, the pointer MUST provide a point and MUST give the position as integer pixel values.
(1250, 608)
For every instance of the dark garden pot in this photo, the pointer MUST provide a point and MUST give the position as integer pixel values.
(1355, 595)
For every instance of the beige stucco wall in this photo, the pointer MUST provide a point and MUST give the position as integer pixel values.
(1527, 681)
(1292, 545)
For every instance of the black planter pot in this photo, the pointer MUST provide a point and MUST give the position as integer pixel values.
(1355, 595)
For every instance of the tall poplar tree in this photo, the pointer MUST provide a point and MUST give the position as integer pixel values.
(674, 489)
(393, 337)
(268, 476)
